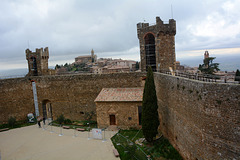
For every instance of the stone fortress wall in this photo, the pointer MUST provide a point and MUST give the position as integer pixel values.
(70, 95)
(200, 119)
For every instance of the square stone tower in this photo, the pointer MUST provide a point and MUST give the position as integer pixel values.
(37, 62)
(157, 45)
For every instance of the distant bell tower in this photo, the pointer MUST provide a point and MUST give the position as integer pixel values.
(157, 45)
(37, 62)
(92, 55)
(206, 55)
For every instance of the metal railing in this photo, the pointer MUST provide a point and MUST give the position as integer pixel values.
(205, 77)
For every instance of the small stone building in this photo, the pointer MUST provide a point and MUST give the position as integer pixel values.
(119, 106)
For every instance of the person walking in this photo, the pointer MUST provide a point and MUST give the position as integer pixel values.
(44, 120)
(39, 121)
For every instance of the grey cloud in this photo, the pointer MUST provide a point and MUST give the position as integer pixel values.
(75, 27)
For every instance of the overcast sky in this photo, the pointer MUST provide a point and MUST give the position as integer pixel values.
(72, 28)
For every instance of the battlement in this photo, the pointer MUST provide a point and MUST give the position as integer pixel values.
(44, 53)
(159, 27)
(157, 45)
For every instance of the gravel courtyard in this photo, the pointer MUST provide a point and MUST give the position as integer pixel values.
(33, 143)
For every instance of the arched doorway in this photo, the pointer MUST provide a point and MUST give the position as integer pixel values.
(150, 51)
(47, 109)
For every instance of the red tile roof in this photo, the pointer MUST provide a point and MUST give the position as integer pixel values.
(120, 95)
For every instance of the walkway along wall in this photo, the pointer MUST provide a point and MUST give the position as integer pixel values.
(200, 119)
(71, 95)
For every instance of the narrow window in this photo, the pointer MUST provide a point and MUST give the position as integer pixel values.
(140, 115)
(150, 51)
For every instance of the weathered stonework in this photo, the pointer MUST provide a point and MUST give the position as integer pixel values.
(71, 95)
(38, 62)
(200, 119)
(126, 114)
(164, 40)
(121, 107)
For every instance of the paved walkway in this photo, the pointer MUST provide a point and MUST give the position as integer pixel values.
(33, 143)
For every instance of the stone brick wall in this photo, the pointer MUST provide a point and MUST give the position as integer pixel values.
(121, 110)
(201, 119)
(68, 94)
(16, 99)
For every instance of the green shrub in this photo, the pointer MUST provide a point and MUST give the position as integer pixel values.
(67, 121)
(11, 121)
(60, 119)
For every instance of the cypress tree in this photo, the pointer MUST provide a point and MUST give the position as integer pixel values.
(150, 119)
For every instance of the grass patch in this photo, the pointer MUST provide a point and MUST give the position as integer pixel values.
(127, 151)
(162, 148)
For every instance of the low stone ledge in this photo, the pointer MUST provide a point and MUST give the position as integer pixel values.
(66, 127)
(80, 129)
(4, 129)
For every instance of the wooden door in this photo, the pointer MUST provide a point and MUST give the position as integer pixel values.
(112, 120)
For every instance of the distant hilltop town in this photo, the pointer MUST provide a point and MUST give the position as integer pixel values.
(90, 64)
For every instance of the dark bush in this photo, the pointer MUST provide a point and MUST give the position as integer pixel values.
(67, 121)
(60, 119)
(11, 121)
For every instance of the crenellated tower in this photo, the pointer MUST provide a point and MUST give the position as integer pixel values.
(38, 62)
(157, 45)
